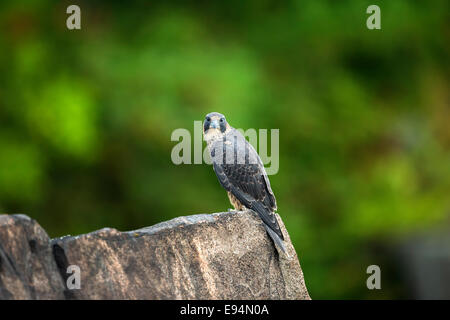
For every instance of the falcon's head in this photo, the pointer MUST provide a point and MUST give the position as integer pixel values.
(215, 126)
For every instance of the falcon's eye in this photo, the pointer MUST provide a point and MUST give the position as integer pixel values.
(208, 119)
(222, 119)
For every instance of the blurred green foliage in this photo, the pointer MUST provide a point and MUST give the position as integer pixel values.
(86, 118)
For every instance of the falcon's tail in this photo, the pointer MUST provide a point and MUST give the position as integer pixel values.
(276, 239)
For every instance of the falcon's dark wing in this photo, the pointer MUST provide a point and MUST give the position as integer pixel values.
(249, 184)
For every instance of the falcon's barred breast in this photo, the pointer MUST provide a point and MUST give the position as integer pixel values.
(241, 172)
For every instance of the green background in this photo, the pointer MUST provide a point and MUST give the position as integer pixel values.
(86, 118)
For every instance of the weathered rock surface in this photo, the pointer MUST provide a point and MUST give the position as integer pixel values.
(207, 256)
(27, 267)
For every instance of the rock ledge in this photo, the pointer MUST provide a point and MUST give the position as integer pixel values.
(206, 256)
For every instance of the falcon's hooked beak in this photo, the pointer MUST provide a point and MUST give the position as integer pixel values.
(214, 124)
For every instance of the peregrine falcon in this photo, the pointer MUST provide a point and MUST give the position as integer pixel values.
(241, 173)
